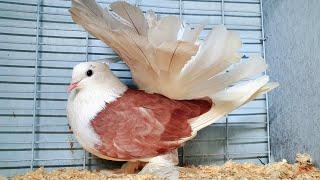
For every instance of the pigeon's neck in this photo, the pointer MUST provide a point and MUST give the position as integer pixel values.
(101, 93)
(85, 104)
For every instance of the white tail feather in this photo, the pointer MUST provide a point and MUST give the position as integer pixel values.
(176, 67)
(151, 18)
(191, 35)
(221, 81)
(230, 99)
(220, 47)
(133, 15)
(166, 30)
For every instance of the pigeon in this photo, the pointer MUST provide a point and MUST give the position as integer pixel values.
(183, 85)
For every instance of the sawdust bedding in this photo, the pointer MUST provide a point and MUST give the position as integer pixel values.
(302, 169)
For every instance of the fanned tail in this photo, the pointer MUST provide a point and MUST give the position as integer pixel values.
(166, 58)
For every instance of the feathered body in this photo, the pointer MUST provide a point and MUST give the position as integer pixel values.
(139, 125)
(184, 85)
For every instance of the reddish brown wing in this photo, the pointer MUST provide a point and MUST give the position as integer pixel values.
(141, 125)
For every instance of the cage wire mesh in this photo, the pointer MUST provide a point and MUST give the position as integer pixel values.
(39, 45)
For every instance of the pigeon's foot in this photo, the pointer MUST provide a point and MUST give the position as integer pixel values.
(164, 171)
(130, 168)
(163, 166)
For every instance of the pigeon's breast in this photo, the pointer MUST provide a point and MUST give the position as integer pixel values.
(81, 109)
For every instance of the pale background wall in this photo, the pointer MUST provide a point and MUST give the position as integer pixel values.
(292, 28)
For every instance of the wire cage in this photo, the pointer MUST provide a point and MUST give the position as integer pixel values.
(39, 45)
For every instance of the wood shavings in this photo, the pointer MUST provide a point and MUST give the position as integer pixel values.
(74, 174)
(3, 178)
(304, 159)
(302, 169)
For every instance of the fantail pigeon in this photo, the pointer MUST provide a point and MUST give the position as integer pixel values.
(183, 85)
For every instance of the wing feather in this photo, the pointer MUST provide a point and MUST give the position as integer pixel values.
(192, 34)
(221, 81)
(172, 56)
(140, 125)
(132, 14)
(166, 30)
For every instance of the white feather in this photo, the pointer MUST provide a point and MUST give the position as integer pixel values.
(192, 34)
(221, 81)
(166, 30)
(220, 47)
(230, 99)
(132, 14)
(151, 18)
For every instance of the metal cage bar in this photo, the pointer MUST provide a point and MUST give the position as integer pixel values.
(267, 103)
(226, 155)
(181, 19)
(86, 60)
(35, 86)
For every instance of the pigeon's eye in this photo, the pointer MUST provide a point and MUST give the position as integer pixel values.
(89, 72)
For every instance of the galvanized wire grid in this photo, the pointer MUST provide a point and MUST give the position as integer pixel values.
(39, 45)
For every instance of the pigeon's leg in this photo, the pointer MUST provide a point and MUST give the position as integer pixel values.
(163, 166)
(130, 167)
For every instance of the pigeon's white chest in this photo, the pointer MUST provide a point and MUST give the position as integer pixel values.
(83, 106)
(80, 112)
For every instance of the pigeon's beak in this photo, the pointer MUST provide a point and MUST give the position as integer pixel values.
(72, 86)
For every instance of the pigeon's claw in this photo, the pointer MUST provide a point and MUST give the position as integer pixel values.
(164, 166)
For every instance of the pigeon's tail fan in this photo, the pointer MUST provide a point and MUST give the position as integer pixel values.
(232, 98)
(165, 57)
(217, 72)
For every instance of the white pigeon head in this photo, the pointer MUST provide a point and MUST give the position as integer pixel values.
(88, 74)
